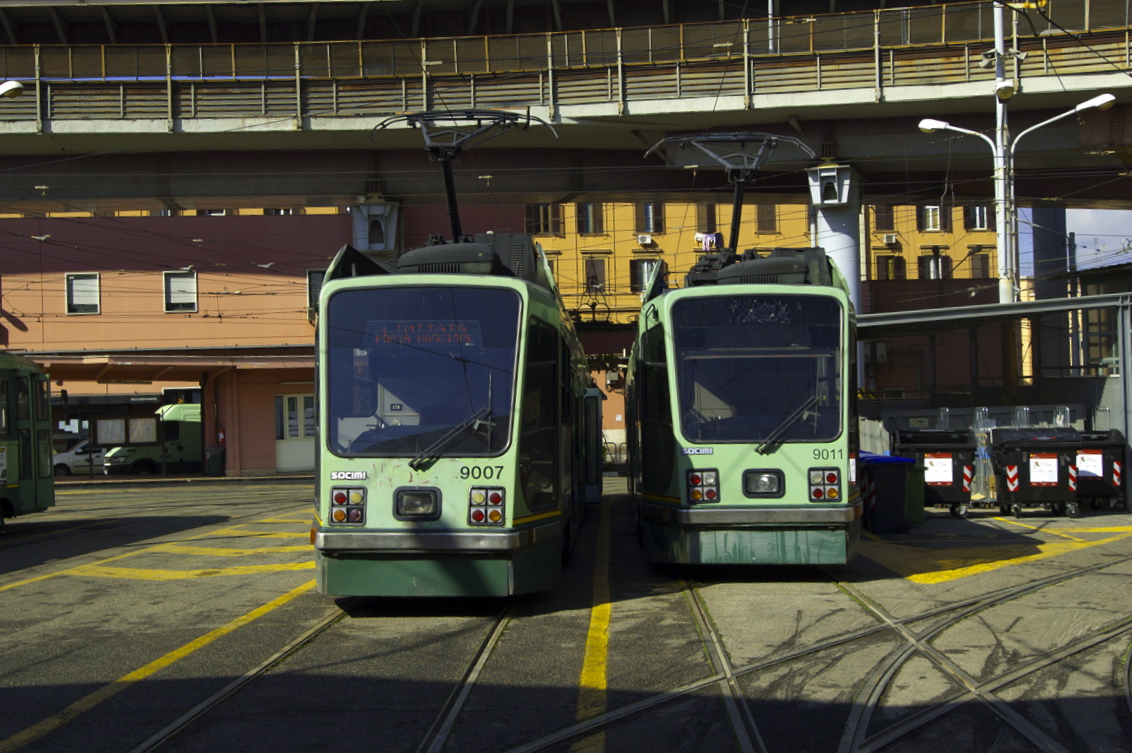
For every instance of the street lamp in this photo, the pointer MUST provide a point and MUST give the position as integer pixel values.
(11, 89)
(1005, 220)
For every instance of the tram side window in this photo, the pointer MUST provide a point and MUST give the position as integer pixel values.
(538, 457)
(23, 404)
(4, 423)
(656, 416)
(42, 401)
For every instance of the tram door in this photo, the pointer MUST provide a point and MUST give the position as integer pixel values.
(32, 464)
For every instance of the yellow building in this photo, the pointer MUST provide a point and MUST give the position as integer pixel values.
(603, 252)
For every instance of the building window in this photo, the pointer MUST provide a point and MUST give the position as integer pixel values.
(766, 218)
(884, 219)
(180, 291)
(590, 218)
(595, 274)
(544, 219)
(980, 265)
(650, 217)
(935, 266)
(978, 218)
(890, 268)
(281, 211)
(83, 294)
(640, 270)
(707, 218)
(933, 219)
(294, 417)
(314, 286)
(215, 212)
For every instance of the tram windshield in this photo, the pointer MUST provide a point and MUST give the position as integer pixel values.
(420, 372)
(759, 368)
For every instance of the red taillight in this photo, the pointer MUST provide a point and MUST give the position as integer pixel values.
(817, 493)
(339, 497)
(703, 486)
(831, 477)
(478, 516)
(487, 506)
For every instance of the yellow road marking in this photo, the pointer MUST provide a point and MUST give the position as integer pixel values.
(217, 551)
(130, 573)
(86, 703)
(927, 566)
(1040, 529)
(592, 683)
(222, 533)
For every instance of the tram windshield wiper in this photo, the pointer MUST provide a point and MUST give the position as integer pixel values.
(771, 440)
(433, 451)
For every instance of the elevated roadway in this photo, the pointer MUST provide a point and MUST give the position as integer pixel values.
(184, 125)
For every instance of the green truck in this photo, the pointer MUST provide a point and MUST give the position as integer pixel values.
(178, 448)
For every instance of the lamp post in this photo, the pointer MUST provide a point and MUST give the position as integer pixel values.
(1006, 222)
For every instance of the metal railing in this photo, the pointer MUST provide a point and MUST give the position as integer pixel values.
(863, 50)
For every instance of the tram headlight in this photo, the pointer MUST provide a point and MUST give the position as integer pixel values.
(763, 483)
(416, 504)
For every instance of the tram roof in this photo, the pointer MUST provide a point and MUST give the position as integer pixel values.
(923, 321)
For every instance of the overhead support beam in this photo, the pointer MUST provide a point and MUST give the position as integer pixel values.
(722, 10)
(312, 22)
(474, 17)
(162, 27)
(9, 28)
(212, 24)
(60, 25)
(111, 27)
(263, 24)
(558, 15)
(414, 32)
(362, 12)
(665, 12)
(612, 16)
(510, 16)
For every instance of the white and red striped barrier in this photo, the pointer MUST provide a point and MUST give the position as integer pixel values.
(1012, 478)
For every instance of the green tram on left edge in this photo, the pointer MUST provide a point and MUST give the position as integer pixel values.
(741, 396)
(453, 459)
(27, 483)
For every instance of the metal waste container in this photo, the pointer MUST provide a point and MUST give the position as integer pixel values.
(1036, 467)
(214, 461)
(1100, 463)
(884, 480)
(948, 458)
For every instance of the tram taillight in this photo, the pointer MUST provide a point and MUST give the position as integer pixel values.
(825, 484)
(348, 505)
(703, 486)
(487, 506)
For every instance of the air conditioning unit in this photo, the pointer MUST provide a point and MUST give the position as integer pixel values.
(889, 239)
(644, 240)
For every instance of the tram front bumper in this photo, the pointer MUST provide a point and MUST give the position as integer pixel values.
(357, 541)
(758, 536)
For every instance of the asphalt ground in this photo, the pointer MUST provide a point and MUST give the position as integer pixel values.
(180, 615)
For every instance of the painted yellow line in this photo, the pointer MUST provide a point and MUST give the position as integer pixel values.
(225, 532)
(234, 534)
(533, 518)
(592, 683)
(129, 573)
(1048, 529)
(217, 551)
(85, 704)
(929, 566)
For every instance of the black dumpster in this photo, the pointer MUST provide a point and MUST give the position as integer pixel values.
(948, 458)
(1036, 468)
(884, 487)
(214, 461)
(1100, 463)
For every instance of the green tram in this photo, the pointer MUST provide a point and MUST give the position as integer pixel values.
(452, 454)
(27, 483)
(741, 395)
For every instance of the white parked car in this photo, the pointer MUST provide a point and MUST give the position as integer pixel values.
(79, 459)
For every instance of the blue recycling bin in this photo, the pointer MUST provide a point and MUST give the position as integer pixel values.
(885, 491)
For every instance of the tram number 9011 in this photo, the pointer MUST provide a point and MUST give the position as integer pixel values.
(829, 454)
(481, 472)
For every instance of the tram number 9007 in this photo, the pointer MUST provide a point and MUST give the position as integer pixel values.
(829, 454)
(478, 472)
